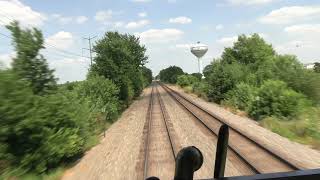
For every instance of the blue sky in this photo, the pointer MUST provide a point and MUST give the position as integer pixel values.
(166, 27)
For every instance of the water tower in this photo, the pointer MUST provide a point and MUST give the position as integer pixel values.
(199, 50)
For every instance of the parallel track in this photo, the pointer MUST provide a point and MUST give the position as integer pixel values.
(160, 151)
(253, 154)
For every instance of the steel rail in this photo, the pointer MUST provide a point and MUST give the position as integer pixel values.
(212, 132)
(216, 117)
(149, 119)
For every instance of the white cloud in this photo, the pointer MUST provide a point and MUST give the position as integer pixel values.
(227, 41)
(304, 29)
(306, 37)
(142, 14)
(16, 10)
(219, 27)
(137, 24)
(141, 1)
(61, 40)
(118, 24)
(69, 69)
(183, 46)
(6, 60)
(160, 35)
(103, 16)
(81, 19)
(63, 20)
(180, 20)
(290, 14)
(250, 2)
(306, 50)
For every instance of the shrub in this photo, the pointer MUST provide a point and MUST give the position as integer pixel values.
(38, 132)
(274, 98)
(102, 96)
(186, 80)
(200, 88)
(222, 78)
(241, 96)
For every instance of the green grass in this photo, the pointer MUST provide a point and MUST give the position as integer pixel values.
(304, 129)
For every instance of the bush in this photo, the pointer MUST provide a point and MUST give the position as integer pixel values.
(222, 78)
(274, 98)
(102, 95)
(37, 132)
(241, 96)
(186, 80)
(200, 88)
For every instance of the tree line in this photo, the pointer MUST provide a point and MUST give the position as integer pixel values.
(43, 124)
(273, 89)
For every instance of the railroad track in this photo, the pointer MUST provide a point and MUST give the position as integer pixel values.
(254, 155)
(160, 145)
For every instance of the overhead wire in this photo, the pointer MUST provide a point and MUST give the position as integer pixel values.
(46, 44)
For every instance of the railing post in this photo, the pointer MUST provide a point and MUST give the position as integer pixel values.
(221, 153)
(188, 161)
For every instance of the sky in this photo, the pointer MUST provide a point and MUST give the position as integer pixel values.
(166, 27)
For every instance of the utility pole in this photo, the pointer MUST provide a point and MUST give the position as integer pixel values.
(90, 49)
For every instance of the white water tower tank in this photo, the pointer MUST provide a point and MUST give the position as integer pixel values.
(199, 50)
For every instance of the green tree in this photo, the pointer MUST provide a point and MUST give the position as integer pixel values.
(197, 75)
(147, 75)
(29, 64)
(38, 132)
(317, 67)
(223, 77)
(119, 58)
(249, 50)
(186, 80)
(101, 94)
(242, 96)
(170, 74)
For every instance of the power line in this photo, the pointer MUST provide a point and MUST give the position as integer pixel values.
(5, 35)
(65, 53)
(52, 46)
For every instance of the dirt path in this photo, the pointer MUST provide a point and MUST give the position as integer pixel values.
(117, 154)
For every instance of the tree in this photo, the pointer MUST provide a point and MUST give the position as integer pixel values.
(29, 64)
(249, 50)
(147, 75)
(170, 74)
(223, 77)
(120, 58)
(316, 67)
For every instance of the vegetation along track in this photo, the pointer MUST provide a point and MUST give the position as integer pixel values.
(253, 154)
(160, 145)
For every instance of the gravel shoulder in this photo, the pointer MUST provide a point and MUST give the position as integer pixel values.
(117, 154)
(301, 155)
